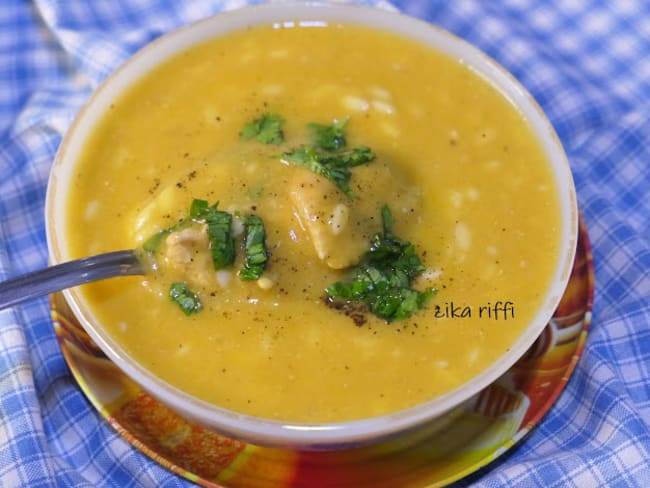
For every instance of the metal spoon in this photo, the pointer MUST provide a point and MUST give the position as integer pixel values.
(66, 275)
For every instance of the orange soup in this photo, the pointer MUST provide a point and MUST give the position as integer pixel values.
(463, 176)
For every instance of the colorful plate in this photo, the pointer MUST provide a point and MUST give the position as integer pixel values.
(490, 424)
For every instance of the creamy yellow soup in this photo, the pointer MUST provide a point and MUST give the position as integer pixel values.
(459, 167)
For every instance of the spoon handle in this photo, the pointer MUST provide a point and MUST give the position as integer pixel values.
(66, 275)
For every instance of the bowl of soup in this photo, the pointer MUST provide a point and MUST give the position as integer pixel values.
(351, 220)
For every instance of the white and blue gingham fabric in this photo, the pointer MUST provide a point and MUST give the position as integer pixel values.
(587, 62)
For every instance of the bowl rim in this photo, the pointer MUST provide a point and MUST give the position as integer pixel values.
(298, 435)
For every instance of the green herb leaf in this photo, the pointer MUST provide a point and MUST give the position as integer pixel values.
(386, 220)
(153, 243)
(333, 166)
(198, 208)
(382, 281)
(267, 129)
(352, 157)
(320, 164)
(255, 248)
(187, 300)
(222, 243)
(329, 137)
(327, 156)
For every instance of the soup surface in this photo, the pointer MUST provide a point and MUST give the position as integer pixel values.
(456, 163)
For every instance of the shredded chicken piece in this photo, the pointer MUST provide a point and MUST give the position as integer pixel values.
(339, 228)
(188, 251)
(323, 212)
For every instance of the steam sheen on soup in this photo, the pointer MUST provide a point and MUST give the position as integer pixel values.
(457, 165)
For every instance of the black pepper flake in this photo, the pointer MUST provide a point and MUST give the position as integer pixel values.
(357, 312)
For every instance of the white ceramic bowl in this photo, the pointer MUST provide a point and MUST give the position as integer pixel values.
(273, 433)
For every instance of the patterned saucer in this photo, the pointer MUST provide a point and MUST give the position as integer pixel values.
(490, 424)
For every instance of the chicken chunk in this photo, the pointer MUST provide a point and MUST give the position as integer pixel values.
(340, 228)
(325, 214)
(187, 251)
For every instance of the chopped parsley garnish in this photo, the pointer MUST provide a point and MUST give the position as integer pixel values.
(255, 248)
(153, 243)
(381, 283)
(222, 243)
(267, 129)
(329, 137)
(328, 157)
(198, 208)
(335, 166)
(187, 300)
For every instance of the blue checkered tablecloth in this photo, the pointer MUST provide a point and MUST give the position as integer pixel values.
(587, 62)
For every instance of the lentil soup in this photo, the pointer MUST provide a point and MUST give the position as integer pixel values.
(465, 179)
